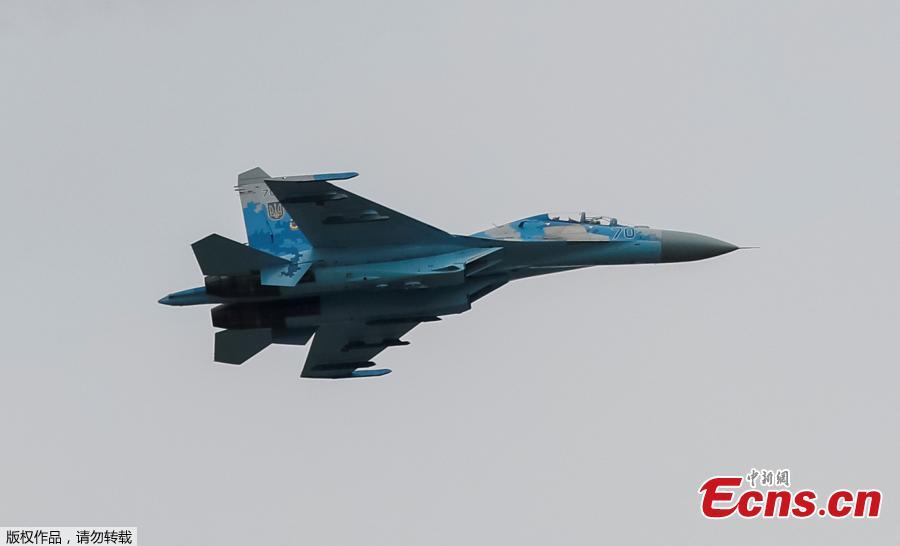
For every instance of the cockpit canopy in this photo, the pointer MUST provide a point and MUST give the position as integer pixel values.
(583, 218)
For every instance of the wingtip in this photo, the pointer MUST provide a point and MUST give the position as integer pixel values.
(370, 373)
(335, 176)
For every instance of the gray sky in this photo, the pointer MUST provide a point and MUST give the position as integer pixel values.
(580, 408)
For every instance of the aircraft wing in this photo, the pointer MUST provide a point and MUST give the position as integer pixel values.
(330, 216)
(338, 350)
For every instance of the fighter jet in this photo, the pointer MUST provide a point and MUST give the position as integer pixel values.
(354, 276)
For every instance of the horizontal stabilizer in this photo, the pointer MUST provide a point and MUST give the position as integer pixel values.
(236, 346)
(220, 256)
(287, 274)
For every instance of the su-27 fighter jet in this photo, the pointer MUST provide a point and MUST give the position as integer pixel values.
(354, 276)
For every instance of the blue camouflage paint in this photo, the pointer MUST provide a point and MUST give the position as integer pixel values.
(365, 292)
(335, 176)
(540, 226)
(271, 231)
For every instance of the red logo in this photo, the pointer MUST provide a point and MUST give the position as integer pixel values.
(723, 497)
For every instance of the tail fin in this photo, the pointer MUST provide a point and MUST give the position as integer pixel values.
(269, 225)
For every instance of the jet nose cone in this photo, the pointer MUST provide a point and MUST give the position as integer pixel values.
(680, 246)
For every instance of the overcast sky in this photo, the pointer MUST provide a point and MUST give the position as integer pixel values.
(579, 408)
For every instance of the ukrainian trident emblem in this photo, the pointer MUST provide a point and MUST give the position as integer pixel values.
(276, 210)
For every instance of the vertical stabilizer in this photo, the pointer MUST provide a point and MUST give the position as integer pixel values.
(269, 225)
